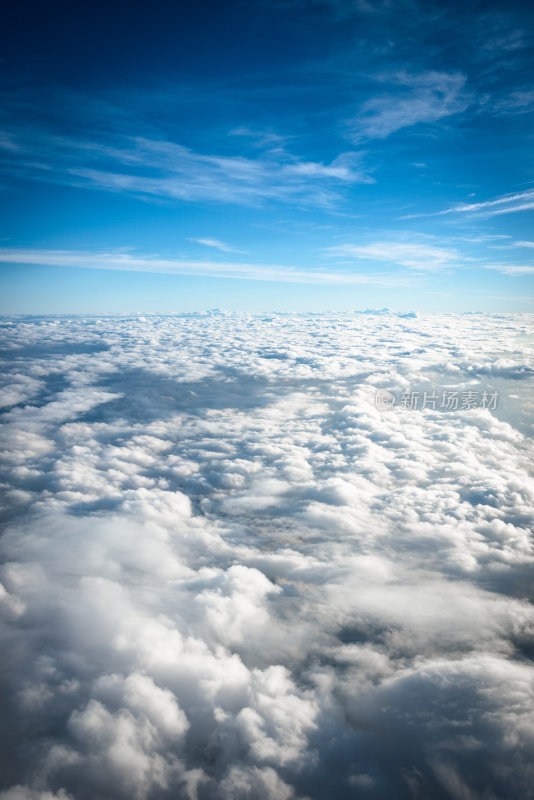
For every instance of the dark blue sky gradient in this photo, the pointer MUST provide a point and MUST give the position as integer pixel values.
(341, 138)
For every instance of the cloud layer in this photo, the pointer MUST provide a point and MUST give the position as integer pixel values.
(226, 574)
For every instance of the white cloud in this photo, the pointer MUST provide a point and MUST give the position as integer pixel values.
(225, 572)
(120, 260)
(507, 204)
(415, 255)
(217, 244)
(517, 102)
(417, 98)
(166, 170)
(511, 269)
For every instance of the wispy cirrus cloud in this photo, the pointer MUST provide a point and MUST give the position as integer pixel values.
(423, 256)
(511, 269)
(506, 204)
(520, 101)
(217, 244)
(414, 255)
(414, 98)
(166, 170)
(497, 32)
(260, 138)
(127, 262)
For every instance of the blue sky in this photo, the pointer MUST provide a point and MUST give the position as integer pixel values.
(286, 155)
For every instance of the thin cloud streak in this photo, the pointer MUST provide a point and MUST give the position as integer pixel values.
(413, 255)
(217, 244)
(507, 204)
(425, 257)
(258, 272)
(505, 200)
(511, 269)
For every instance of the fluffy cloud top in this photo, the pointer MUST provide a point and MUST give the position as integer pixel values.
(227, 574)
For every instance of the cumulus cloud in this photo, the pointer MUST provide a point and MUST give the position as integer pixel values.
(226, 573)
